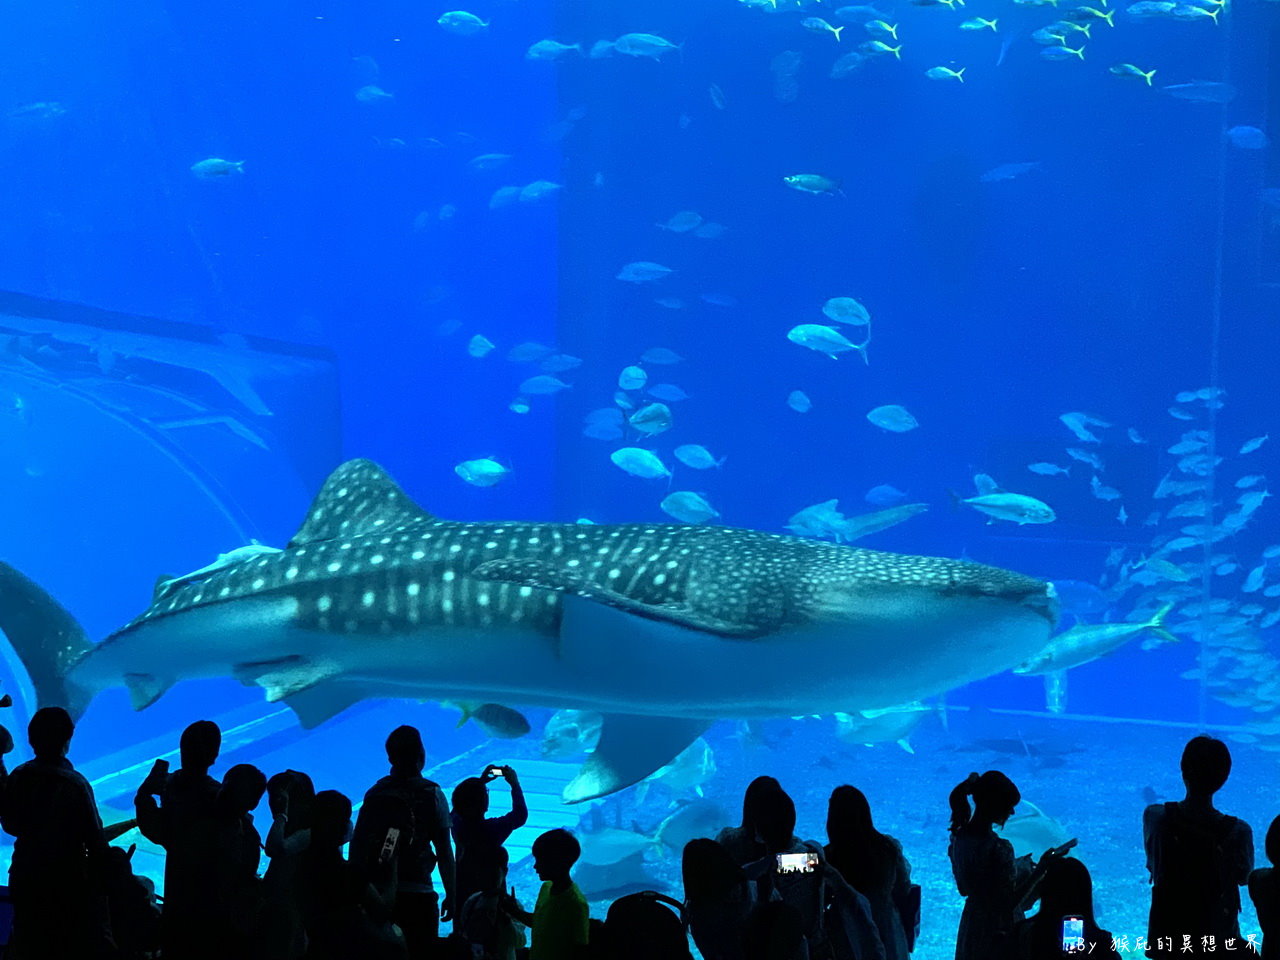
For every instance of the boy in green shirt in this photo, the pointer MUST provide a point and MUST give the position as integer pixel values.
(559, 922)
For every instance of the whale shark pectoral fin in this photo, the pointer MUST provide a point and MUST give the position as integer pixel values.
(286, 676)
(631, 747)
(315, 704)
(145, 688)
(545, 575)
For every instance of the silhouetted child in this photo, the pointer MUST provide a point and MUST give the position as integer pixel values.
(483, 922)
(281, 935)
(873, 864)
(345, 915)
(560, 919)
(60, 856)
(717, 899)
(997, 887)
(135, 913)
(1065, 891)
(1198, 858)
(419, 850)
(239, 848)
(478, 839)
(175, 811)
(1264, 890)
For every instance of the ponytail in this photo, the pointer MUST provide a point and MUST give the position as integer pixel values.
(959, 801)
(993, 794)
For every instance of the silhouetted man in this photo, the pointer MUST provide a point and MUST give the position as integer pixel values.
(176, 811)
(57, 877)
(1198, 858)
(417, 911)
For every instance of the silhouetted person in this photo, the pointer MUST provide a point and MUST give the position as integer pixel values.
(1198, 858)
(238, 850)
(873, 864)
(560, 920)
(135, 914)
(644, 926)
(717, 899)
(483, 923)
(741, 842)
(837, 919)
(346, 916)
(281, 934)
(1264, 890)
(775, 931)
(175, 811)
(418, 911)
(1065, 891)
(997, 887)
(57, 878)
(478, 839)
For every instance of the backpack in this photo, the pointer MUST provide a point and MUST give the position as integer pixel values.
(1191, 891)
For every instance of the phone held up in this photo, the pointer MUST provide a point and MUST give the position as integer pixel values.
(797, 862)
(389, 845)
(1073, 934)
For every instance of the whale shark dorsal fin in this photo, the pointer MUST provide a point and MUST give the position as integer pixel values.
(630, 749)
(358, 498)
(546, 575)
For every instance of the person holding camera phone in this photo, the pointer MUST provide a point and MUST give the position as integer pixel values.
(837, 919)
(176, 811)
(1065, 926)
(997, 887)
(478, 839)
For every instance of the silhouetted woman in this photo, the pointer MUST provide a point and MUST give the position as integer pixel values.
(1264, 890)
(1066, 891)
(717, 899)
(743, 842)
(872, 863)
(996, 886)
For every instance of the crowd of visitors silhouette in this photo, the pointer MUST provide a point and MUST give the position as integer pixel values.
(754, 892)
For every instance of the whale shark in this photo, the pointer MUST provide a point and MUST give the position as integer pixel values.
(661, 628)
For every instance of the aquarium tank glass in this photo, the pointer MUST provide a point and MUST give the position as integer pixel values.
(583, 290)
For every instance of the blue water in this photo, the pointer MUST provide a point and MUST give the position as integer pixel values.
(348, 265)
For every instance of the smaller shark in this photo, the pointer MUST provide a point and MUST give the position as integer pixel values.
(660, 628)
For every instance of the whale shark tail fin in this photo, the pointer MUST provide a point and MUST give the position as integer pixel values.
(47, 639)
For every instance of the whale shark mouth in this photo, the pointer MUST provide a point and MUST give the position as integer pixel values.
(376, 597)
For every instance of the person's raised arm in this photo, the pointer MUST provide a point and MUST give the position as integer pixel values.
(519, 814)
(152, 823)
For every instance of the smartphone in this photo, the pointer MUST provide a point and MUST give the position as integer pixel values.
(1073, 934)
(494, 772)
(160, 768)
(389, 845)
(797, 862)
